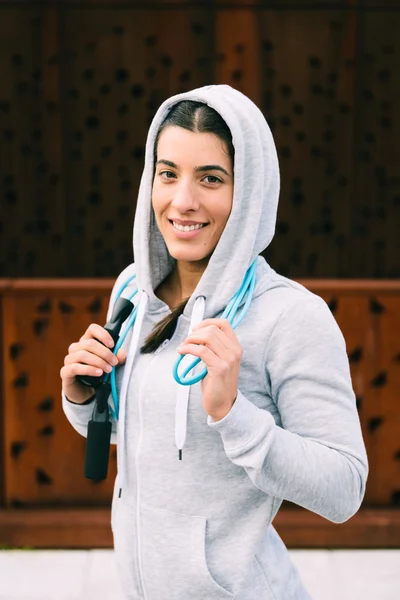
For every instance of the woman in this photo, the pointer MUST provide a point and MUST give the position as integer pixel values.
(203, 469)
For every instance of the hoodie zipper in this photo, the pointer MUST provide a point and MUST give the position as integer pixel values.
(138, 479)
(165, 343)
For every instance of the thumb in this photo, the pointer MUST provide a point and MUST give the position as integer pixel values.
(121, 355)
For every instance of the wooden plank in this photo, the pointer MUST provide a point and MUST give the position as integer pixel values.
(307, 88)
(121, 65)
(2, 404)
(342, 286)
(43, 456)
(56, 528)
(376, 207)
(32, 207)
(237, 51)
(369, 528)
(90, 528)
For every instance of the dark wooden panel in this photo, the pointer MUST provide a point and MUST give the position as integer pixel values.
(376, 215)
(380, 4)
(74, 112)
(119, 67)
(32, 197)
(308, 71)
(370, 323)
(43, 455)
(2, 405)
(238, 60)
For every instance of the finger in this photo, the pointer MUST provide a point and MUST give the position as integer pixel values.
(211, 332)
(121, 355)
(96, 347)
(213, 338)
(209, 358)
(73, 348)
(87, 358)
(222, 324)
(69, 372)
(227, 329)
(99, 333)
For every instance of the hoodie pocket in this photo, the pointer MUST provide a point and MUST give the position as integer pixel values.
(173, 558)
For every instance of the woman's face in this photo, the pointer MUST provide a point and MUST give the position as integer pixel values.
(193, 182)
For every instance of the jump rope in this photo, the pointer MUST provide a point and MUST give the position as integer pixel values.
(124, 312)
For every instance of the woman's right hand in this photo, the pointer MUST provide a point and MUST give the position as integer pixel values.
(90, 356)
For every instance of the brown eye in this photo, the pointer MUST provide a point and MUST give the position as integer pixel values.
(213, 179)
(167, 174)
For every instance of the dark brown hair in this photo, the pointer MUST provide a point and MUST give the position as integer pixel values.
(199, 118)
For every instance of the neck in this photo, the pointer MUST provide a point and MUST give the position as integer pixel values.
(185, 277)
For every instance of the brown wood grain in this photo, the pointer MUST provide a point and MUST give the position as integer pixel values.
(43, 456)
(326, 78)
(90, 528)
(48, 469)
(75, 111)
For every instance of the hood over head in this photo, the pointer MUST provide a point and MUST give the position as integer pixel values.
(251, 224)
(248, 231)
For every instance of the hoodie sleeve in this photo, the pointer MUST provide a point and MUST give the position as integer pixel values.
(317, 458)
(80, 414)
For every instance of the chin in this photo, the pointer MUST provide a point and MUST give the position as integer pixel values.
(187, 255)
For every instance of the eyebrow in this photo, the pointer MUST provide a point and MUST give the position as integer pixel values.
(201, 169)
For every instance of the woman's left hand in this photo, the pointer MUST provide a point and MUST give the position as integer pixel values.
(215, 342)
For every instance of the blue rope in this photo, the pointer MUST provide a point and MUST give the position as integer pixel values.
(229, 313)
(124, 333)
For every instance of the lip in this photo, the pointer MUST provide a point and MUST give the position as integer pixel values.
(185, 235)
(187, 222)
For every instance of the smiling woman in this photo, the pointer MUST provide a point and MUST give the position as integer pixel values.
(192, 199)
(203, 469)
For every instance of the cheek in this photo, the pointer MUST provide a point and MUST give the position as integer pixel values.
(225, 209)
(158, 197)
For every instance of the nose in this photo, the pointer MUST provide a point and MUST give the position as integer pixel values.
(185, 198)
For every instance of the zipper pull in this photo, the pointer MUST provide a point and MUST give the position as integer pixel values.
(165, 343)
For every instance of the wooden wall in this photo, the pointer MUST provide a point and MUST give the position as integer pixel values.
(43, 491)
(81, 81)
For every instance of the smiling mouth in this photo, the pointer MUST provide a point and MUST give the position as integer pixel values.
(188, 230)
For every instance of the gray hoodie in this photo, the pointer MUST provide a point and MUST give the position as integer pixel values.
(201, 527)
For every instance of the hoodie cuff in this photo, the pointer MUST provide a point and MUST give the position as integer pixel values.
(243, 423)
(77, 414)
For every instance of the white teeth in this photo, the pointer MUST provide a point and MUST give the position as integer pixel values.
(187, 227)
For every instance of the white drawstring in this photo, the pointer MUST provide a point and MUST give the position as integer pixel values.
(131, 354)
(182, 390)
(182, 395)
